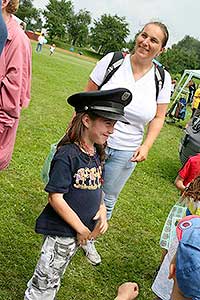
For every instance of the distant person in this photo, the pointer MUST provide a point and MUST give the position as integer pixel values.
(41, 41)
(52, 49)
(15, 81)
(3, 31)
(71, 217)
(196, 101)
(192, 89)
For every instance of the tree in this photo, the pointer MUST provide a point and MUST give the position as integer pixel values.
(177, 60)
(109, 33)
(190, 45)
(78, 27)
(29, 14)
(58, 15)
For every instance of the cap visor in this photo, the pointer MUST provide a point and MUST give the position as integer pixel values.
(111, 116)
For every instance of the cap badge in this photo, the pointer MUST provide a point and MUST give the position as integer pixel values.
(125, 96)
(86, 107)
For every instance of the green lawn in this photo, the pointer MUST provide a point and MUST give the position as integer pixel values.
(130, 249)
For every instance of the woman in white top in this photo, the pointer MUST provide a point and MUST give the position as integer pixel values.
(126, 146)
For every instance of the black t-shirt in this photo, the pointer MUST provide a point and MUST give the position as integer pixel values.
(78, 176)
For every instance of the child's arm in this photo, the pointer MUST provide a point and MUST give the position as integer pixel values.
(69, 216)
(179, 183)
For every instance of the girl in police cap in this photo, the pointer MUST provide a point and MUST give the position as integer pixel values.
(71, 218)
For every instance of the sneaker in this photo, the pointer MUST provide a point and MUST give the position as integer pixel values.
(91, 253)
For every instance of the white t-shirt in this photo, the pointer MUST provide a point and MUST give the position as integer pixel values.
(41, 39)
(142, 108)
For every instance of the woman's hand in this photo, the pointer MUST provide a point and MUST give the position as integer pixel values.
(140, 154)
(102, 224)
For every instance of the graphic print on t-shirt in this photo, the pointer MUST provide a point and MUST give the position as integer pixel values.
(88, 178)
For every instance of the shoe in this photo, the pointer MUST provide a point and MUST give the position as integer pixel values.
(91, 253)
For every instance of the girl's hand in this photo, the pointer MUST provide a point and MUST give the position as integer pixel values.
(140, 154)
(83, 236)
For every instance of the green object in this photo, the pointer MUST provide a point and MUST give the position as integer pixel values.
(47, 163)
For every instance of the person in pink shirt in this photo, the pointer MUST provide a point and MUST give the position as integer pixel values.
(15, 81)
(3, 30)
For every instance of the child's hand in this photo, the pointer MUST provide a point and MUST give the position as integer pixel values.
(172, 268)
(83, 236)
(102, 224)
(128, 291)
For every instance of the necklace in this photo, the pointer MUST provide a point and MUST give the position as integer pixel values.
(87, 149)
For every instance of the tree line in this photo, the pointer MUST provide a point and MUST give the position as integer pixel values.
(106, 34)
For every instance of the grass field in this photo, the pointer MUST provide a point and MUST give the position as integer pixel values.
(130, 249)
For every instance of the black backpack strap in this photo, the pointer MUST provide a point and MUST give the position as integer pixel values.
(115, 63)
(159, 78)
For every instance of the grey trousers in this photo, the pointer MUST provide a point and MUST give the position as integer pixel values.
(55, 256)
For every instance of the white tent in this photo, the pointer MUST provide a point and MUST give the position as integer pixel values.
(186, 77)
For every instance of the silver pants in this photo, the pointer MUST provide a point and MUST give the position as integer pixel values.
(55, 256)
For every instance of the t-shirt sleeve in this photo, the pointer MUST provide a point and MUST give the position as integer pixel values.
(60, 176)
(164, 94)
(185, 170)
(99, 70)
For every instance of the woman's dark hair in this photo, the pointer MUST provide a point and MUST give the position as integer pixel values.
(193, 190)
(74, 133)
(164, 29)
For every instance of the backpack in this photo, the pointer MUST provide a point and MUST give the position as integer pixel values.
(116, 62)
(190, 143)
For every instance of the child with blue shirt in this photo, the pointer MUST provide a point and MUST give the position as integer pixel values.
(75, 213)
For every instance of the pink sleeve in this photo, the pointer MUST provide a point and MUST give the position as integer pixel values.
(15, 81)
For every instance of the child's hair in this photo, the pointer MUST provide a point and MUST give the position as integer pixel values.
(74, 133)
(193, 190)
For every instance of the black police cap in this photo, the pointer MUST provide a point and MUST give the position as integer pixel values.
(107, 103)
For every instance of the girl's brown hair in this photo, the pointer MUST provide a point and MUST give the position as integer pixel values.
(193, 190)
(74, 133)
